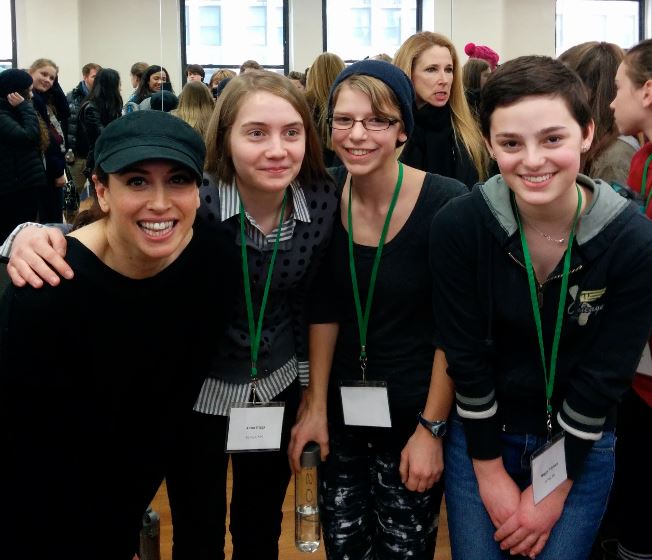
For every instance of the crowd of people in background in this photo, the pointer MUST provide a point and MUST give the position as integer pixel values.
(505, 332)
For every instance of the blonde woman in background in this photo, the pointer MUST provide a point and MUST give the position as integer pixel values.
(195, 106)
(217, 77)
(446, 138)
(321, 76)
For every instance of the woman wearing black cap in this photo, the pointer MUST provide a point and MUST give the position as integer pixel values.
(378, 396)
(21, 161)
(86, 441)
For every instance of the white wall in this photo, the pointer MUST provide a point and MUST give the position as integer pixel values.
(117, 33)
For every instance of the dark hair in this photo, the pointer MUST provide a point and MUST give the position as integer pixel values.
(195, 69)
(472, 73)
(299, 76)
(596, 64)
(250, 65)
(94, 212)
(638, 61)
(105, 95)
(143, 91)
(533, 75)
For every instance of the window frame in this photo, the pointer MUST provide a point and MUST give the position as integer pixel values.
(324, 24)
(184, 60)
(642, 4)
(14, 44)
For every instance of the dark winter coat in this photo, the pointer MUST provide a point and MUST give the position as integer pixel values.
(21, 160)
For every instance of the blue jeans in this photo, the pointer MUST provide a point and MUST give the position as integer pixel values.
(471, 530)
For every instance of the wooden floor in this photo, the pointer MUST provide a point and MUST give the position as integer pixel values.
(287, 550)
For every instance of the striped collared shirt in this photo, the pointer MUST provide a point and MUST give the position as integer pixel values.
(217, 395)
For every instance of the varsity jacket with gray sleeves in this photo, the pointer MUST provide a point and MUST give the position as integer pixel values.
(486, 326)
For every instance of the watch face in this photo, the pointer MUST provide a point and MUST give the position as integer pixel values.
(437, 429)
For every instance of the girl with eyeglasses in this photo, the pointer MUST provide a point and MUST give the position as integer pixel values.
(378, 396)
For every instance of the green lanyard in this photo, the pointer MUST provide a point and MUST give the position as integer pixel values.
(255, 331)
(363, 318)
(646, 168)
(549, 373)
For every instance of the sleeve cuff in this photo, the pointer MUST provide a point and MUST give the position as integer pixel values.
(5, 248)
(576, 452)
(304, 373)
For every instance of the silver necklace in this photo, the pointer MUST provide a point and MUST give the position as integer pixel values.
(546, 236)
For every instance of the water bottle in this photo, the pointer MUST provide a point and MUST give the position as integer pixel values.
(70, 156)
(150, 546)
(306, 523)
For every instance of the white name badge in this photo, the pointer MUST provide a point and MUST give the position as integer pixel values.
(365, 404)
(548, 468)
(255, 427)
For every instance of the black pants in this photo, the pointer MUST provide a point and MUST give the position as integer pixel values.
(197, 491)
(633, 490)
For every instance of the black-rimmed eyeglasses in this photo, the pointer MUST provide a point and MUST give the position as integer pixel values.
(370, 123)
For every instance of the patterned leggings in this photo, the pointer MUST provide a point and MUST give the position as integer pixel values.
(366, 511)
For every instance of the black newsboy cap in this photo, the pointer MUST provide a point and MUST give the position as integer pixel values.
(145, 135)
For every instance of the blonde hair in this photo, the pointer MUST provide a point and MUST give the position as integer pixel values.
(220, 75)
(382, 98)
(195, 106)
(464, 125)
(321, 75)
(218, 136)
(41, 62)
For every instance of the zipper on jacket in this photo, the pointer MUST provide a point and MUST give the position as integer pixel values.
(541, 285)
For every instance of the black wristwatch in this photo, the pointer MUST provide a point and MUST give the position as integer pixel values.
(437, 428)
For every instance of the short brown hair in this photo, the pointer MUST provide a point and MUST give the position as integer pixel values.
(86, 69)
(250, 65)
(218, 135)
(195, 69)
(138, 69)
(526, 76)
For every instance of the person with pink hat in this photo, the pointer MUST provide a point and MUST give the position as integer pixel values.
(485, 53)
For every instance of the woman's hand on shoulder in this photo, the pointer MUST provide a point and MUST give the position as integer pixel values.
(527, 530)
(422, 461)
(311, 425)
(37, 255)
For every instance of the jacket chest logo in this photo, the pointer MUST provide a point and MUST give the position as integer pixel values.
(584, 303)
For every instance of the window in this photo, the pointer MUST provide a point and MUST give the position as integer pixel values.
(614, 21)
(257, 28)
(8, 57)
(225, 33)
(210, 25)
(360, 28)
